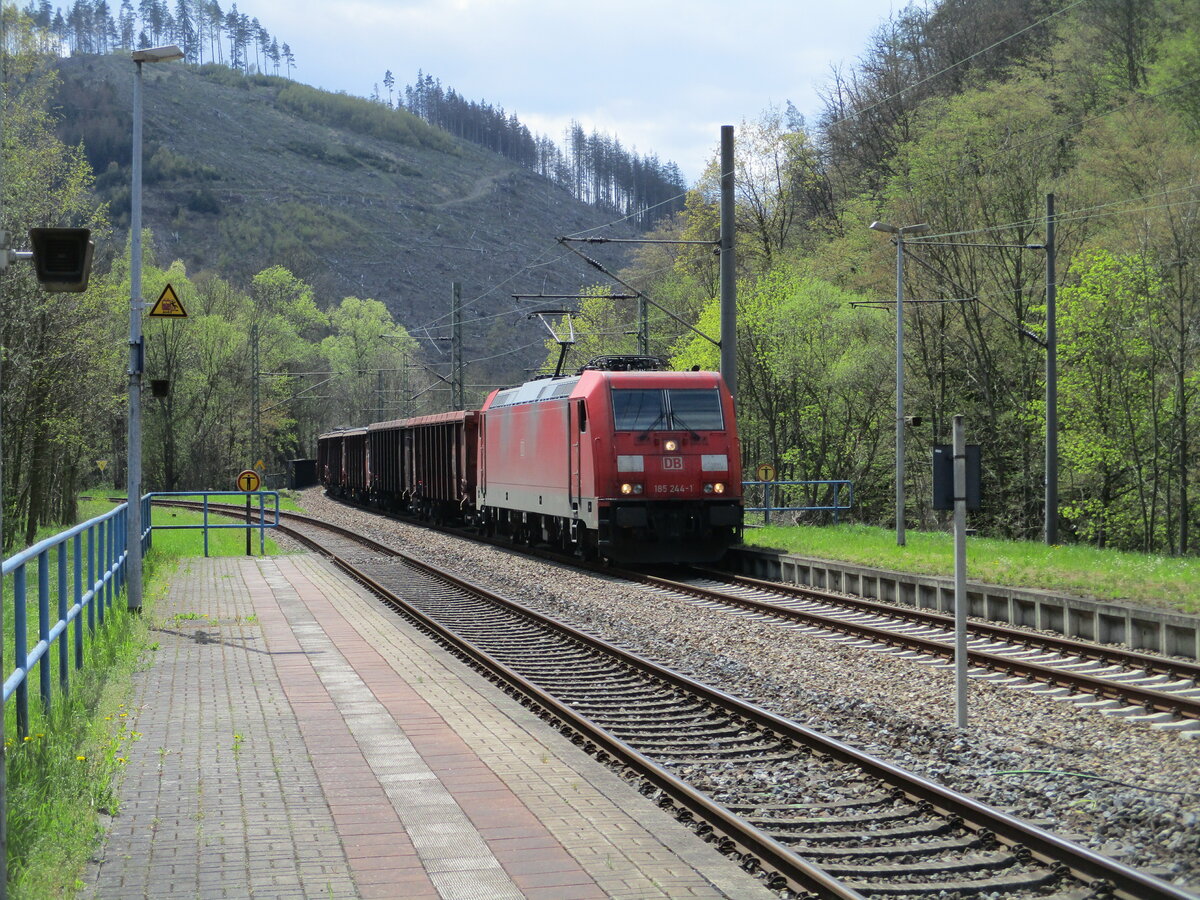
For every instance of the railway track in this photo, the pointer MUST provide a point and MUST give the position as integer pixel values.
(817, 816)
(1111, 679)
(1154, 690)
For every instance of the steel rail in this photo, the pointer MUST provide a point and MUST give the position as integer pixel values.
(755, 847)
(1148, 662)
(1081, 682)
(1093, 869)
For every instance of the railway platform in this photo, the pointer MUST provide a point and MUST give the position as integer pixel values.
(296, 740)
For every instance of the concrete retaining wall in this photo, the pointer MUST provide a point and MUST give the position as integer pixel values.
(1140, 628)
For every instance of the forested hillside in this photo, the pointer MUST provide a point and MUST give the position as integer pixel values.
(595, 168)
(307, 234)
(964, 115)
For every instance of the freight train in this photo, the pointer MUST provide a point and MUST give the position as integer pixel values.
(622, 461)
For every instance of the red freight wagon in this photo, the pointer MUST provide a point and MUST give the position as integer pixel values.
(342, 462)
(354, 463)
(440, 463)
(329, 460)
(385, 447)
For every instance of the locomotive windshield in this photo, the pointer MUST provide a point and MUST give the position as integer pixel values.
(667, 409)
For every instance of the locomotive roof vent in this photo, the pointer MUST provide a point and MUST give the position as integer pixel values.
(626, 364)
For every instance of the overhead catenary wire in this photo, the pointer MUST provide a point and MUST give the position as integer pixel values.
(1078, 215)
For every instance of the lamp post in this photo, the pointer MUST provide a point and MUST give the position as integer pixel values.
(133, 533)
(899, 234)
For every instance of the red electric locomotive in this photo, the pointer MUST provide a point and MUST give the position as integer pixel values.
(634, 466)
(621, 461)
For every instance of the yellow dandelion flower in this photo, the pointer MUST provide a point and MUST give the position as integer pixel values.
(28, 739)
(120, 759)
(81, 758)
(123, 715)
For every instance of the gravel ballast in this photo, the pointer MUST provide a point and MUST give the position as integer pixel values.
(1118, 787)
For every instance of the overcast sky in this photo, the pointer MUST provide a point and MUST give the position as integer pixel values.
(661, 75)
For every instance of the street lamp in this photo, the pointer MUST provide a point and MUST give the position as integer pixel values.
(133, 532)
(900, 234)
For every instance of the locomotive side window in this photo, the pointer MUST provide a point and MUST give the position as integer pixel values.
(670, 409)
(582, 416)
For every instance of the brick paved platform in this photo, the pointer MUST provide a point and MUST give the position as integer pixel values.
(298, 741)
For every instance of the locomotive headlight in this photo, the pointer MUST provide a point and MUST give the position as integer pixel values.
(671, 446)
(628, 488)
(716, 488)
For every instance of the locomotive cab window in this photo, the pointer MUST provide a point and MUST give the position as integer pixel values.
(667, 409)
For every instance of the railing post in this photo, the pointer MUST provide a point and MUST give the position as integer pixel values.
(120, 560)
(148, 524)
(20, 650)
(44, 628)
(102, 567)
(118, 557)
(79, 601)
(93, 590)
(64, 650)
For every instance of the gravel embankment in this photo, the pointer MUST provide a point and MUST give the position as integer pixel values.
(1122, 789)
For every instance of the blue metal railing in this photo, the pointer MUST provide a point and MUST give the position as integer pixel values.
(64, 555)
(248, 497)
(100, 545)
(798, 496)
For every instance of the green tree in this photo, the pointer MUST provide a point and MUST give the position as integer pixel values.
(59, 350)
(364, 350)
(981, 168)
(813, 386)
(1109, 395)
(779, 186)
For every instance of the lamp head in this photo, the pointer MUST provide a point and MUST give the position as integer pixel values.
(884, 227)
(157, 54)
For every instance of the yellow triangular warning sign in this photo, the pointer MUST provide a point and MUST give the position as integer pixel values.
(168, 305)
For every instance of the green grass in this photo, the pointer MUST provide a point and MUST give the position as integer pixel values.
(62, 780)
(1160, 581)
(287, 500)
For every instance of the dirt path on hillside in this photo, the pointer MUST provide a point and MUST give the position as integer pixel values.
(484, 185)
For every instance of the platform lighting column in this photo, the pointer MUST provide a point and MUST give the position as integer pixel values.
(133, 533)
(899, 234)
